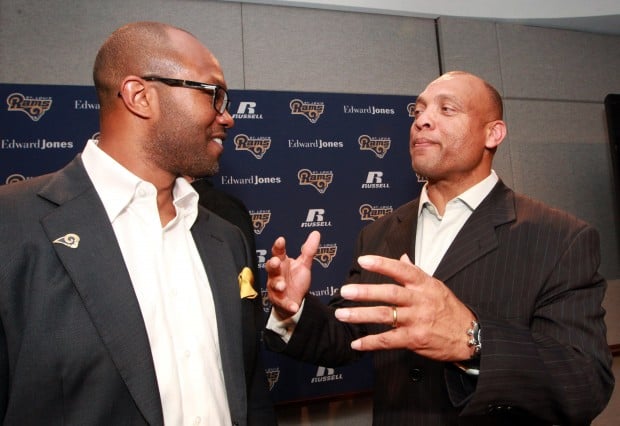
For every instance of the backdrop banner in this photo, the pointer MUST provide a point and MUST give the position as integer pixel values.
(299, 161)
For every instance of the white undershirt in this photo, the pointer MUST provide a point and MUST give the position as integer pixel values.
(435, 233)
(172, 289)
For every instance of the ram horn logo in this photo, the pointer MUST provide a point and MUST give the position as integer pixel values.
(15, 177)
(311, 110)
(411, 109)
(256, 146)
(372, 213)
(32, 107)
(380, 146)
(260, 219)
(319, 180)
(325, 254)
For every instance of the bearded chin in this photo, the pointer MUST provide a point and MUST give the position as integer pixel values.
(210, 168)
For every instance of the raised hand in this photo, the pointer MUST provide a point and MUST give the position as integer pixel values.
(425, 315)
(288, 279)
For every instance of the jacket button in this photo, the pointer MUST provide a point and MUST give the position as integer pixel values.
(416, 374)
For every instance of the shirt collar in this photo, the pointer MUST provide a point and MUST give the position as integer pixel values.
(117, 186)
(471, 197)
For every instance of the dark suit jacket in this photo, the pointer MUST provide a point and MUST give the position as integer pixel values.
(230, 208)
(73, 344)
(530, 275)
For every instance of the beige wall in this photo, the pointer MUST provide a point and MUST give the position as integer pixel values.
(553, 83)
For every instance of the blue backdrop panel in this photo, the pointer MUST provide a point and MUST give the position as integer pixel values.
(300, 161)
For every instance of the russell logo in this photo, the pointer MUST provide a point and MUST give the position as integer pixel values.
(247, 111)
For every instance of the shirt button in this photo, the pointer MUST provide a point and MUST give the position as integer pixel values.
(197, 420)
(416, 374)
(187, 354)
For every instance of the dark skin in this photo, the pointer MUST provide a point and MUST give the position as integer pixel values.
(452, 141)
(161, 133)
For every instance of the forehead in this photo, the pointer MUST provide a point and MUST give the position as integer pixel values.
(460, 88)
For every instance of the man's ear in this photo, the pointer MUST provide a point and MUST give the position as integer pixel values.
(496, 132)
(137, 97)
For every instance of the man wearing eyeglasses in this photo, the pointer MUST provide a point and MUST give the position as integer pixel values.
(121, 300)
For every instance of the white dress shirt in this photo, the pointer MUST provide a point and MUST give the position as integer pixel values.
(172, 288)
(435, 233)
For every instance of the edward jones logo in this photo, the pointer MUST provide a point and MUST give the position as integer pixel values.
(257, 146)
(32, 107)
(380, 146)
(325, 254)
(372, 213)
(319, 180)
(311, 110)
(260, 219)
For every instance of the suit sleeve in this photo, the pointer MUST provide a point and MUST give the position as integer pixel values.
(557, 367)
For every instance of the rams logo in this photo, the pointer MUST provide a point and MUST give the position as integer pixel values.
(32, 107)
(380, 146)
(411, 109)
(15, 177)
(325, 254)
(260, 219)
(372, 213)
(319, 180)
(273, 375)
(311, 110)
(256, 146)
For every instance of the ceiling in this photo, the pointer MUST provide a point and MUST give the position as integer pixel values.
(595, 16)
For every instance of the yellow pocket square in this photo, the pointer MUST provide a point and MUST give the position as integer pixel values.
(246, 279)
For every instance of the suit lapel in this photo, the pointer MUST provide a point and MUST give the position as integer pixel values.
(220, 267)
(402, 239)
(478, 237)
(97, 268)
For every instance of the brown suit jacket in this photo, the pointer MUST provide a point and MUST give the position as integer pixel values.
(530, 274)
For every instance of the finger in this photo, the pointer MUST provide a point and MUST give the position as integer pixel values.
(272, 266)
(401, 270)
(310, 247)
(279, 247)
(387, 294)
(391, 339)
(365, 315)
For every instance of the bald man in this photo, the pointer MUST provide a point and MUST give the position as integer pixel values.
(480, 306)
(122, 302)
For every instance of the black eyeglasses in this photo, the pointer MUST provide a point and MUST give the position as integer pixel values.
(221, 102)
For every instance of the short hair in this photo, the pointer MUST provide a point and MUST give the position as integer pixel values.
(133, 49)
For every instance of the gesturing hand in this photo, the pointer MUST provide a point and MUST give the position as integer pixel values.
(430, 319)
(288, 280)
